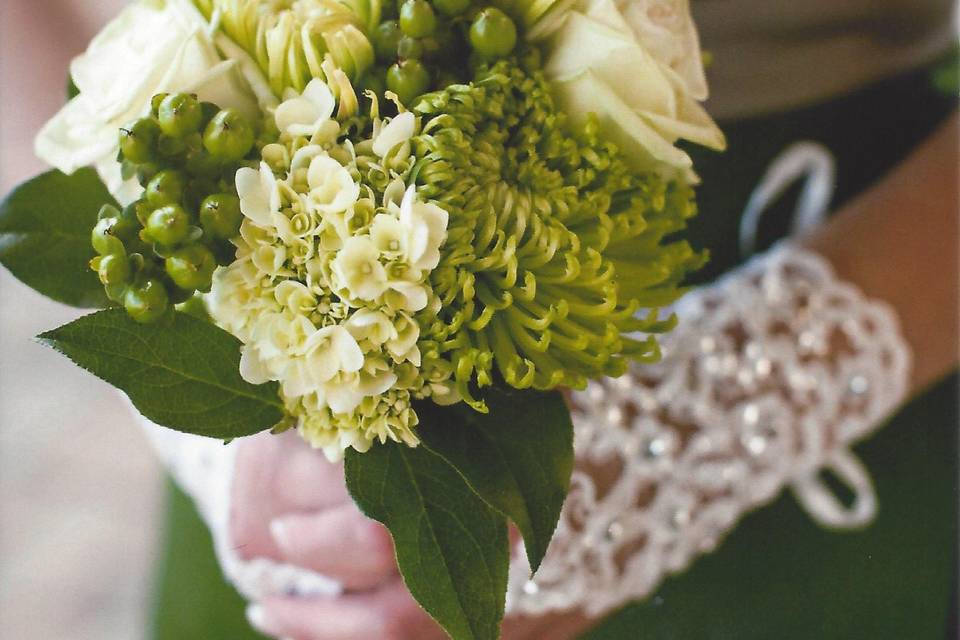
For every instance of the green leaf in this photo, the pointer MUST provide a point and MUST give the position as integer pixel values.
(45, 226)
(452, 549)
(181, 373)
(518, 457)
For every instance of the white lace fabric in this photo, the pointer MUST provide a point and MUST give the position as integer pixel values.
(773, 373)
(203, 468)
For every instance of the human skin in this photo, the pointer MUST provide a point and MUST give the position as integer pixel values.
(897, 242)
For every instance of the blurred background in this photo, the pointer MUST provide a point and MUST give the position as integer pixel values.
(80, 491)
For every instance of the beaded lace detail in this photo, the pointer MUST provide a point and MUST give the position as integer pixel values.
(771, 376)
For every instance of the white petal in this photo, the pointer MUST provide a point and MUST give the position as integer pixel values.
(348, 351)
(398, 130)
(254, 202)
(298, 111)
(343, 398)
(252, 368)
(320, 95)
(415, 295)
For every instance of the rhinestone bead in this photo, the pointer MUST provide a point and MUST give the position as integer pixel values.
(858, 385)
(614, 531)
(708, 344)
(654, 448)
(679, 517)
(615, 415)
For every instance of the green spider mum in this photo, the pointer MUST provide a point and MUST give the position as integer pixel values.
(557, 255)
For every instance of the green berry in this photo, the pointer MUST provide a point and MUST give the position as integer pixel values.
(143, 209)
(127, 224)
(220, 216)
(191, 268)
(179, 115)
(114, 269)
(155, 102)
(145, 173)
(170, 147)
(195, 307)
(166, 188)
(373, 80)
(176, 295)
(229, 136)
(408, 79)
(102, 238)
(138, 142)
(200, 163)
(417, 19)
(409, 48)
(493, 33)
(207, 110)
(385, 40)
(168, 225)
(146, 302)
(451, 7)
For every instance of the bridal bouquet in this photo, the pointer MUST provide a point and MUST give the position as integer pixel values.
(397, 229)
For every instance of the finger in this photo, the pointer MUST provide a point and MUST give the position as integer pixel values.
(306, 481)
(386, 614)
(340, 543)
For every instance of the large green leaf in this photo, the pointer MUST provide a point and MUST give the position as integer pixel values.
(518, 457)
(182, 373)
(452, 548)
(45, 226)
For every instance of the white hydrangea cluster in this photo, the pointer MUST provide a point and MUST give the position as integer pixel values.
(330, 278)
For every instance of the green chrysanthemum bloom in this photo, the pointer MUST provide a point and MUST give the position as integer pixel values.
(290, 39)
(556, 258)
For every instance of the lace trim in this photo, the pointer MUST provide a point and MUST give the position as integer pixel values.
(772, 375)
(203, 468)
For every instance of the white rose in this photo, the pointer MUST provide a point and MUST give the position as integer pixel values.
(153, 46)
(636, 65)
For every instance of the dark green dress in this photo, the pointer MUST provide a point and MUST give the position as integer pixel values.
(778, 575)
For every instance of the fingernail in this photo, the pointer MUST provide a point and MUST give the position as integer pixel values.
(257, 617)
(280, 531)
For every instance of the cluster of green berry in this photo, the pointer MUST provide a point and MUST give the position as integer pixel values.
(163, 248)
(420, 47)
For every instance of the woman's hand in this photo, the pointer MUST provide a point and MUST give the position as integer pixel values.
(289, 504)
